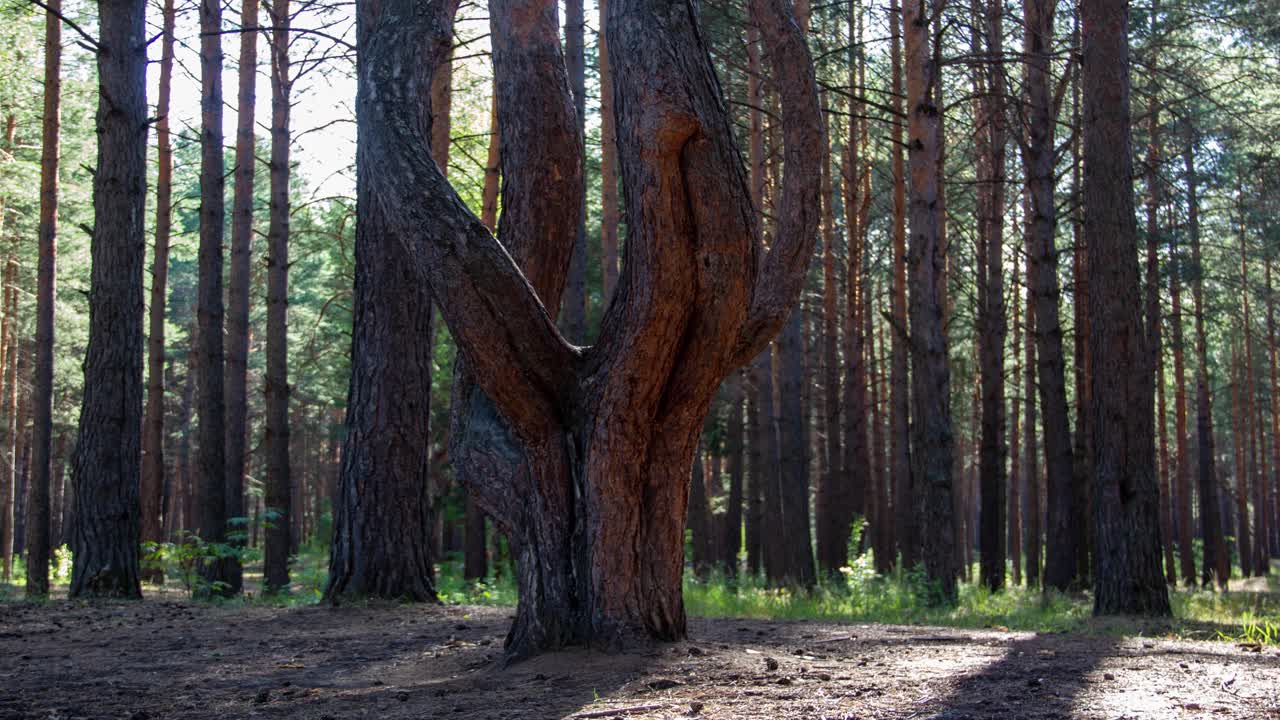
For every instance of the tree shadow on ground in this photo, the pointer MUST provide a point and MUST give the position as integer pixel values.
(1038, 677)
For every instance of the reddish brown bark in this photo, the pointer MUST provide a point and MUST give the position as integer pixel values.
(601, 439)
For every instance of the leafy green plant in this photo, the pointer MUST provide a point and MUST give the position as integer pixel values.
(184, 557)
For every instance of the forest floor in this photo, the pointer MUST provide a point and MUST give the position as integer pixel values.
(176, 659)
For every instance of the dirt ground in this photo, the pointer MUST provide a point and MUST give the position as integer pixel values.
(159, 659)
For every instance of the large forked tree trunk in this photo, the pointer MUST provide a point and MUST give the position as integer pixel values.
(1129, 579)
(153, 468)
(276, 388)
(38, 514)
(237, 366)
(582, 456)
(931, 435)
(107, 463)
(1039, 159)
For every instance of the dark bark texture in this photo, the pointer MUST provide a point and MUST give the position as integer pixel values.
(108, 456)
(1129, 578)
(38, 505)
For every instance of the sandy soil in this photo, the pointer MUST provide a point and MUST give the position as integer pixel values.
(158, 659)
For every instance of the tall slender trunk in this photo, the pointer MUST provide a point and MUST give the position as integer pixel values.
(1019, 515)
(39, 511)
(1080, 529)
(856, 462)
(1031, 450)
(237, 350)
(886, 545)
(1247, 474)
(1216, 560)
(9, 501)
(989, 89)
(107, 464)
(731, 531)
(756, 473)
(1186, 554)
(1154, 315)
(1039, 161)
(609, 163)
(475, 551)
(931, 432)
(900, 469)
(575, 306)
(794, 467)
(153, 459)
(833, 505)
(1271, 495)
(219, 574)
(276, 386)
(1129, 579)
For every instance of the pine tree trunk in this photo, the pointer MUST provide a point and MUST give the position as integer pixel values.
(793, 477)
(900, 468)
(107, 463)
(237, 357)
(833, 505)
(276, 387)
(731, 532)
(1271, 495)
(609, 165)
(991, 315)
(1030, 444)
(1129, 579)
(219, 574)
(39, 509)
(931, 433)
(575, 305)
(1186, 554)
(153, 458)
(1019, 508)
(383, 518)
(9, 397)
(1217, 562)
